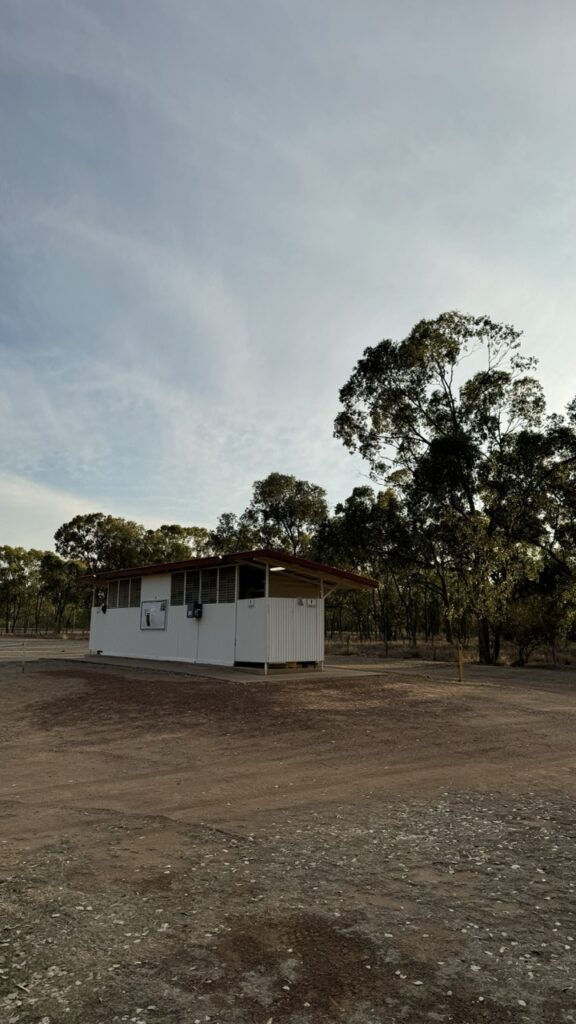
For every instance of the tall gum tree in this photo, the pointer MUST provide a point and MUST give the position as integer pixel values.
(284, 513)
(447, 442)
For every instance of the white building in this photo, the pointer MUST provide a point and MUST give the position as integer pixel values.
(260, 607)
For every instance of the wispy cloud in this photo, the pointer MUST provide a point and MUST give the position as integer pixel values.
(208, 211)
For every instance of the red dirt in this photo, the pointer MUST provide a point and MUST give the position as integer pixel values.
(315, 816)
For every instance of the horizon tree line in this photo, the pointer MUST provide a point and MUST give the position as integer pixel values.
(469, 527)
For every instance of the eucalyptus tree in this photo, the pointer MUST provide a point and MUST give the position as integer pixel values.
(368, 534)
(447, 443)
(100, 541)
(173, 543)
(20, 589)
(59, 585)
(284, 512)
(234, 533)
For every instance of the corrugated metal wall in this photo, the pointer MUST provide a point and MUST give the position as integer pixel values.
(295, 629)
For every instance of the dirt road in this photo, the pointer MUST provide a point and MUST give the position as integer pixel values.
(363, 850)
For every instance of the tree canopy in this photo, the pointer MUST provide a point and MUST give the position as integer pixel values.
(477, 466)
(284, 512)
(109, 542)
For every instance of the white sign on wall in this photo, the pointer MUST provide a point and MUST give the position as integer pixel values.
(153, 615)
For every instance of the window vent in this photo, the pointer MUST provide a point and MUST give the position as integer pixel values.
(209, 586)
(192, 587)
(177, 588)
(227, 585)
(135, 592)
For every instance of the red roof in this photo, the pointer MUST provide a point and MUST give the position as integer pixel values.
(266, 555)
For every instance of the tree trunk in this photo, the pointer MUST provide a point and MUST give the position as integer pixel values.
(483, 642)
(496, 645)
(460, 663)
(488, 644)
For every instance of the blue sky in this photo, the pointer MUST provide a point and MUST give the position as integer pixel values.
(208, 208)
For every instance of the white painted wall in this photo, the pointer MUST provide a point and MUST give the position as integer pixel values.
(209, 640)
(273, 630)
(216, 634)
(251, 630)
(156, 588)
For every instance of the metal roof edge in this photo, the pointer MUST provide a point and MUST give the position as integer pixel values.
(212, 561)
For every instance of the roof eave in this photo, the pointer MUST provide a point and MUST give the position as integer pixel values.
(342, 578)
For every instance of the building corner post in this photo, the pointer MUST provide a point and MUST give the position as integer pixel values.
(267, 597)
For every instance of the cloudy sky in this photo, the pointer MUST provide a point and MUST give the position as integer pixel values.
(208, 208)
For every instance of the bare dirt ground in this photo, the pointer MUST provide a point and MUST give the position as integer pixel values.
(386, 848)
(24, 649)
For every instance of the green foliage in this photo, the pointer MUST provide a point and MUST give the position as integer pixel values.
(174, 543)
(403, 396)
(284, 513)
(485, 481)
(59, 583)
(39, 590)
(19, 570)
(234, 533)
(108, 542)
(100, 541)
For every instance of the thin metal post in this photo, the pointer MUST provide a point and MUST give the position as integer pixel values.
(322, 607)
(23, 654)
(267, 598)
